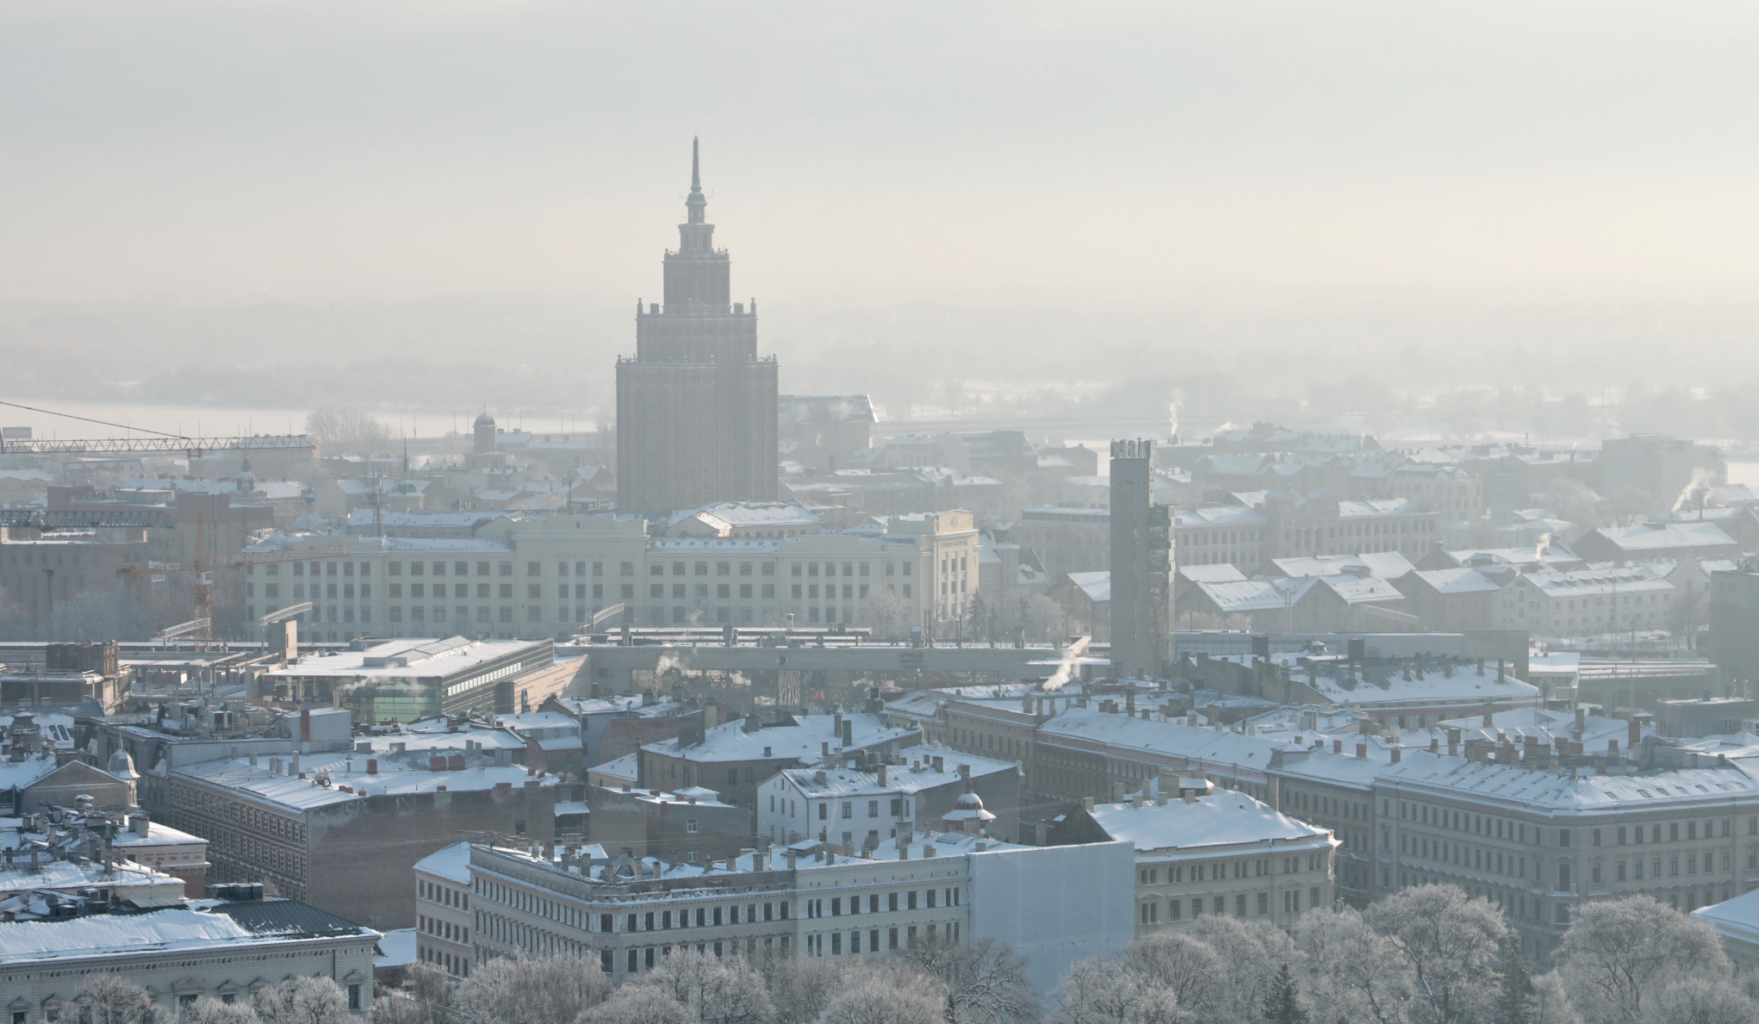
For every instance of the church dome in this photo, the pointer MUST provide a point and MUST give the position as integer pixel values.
(122, 765)
(485, 420)
(967, 814)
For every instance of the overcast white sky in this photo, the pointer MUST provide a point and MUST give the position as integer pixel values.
(1126, 154)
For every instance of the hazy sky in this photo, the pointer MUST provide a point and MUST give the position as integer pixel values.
(880, 154)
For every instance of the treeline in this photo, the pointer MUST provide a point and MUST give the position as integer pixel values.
(1426, 955)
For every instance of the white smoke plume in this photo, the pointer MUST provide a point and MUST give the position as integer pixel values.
(1064, 673)
(1696, 490)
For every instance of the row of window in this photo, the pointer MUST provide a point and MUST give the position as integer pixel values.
(894, 901)
(1493, 827)
(815, 944)
(458, 568)
(443, 929)
(1149, 911)
(660, 920)
(847, 809)
(1243, 867)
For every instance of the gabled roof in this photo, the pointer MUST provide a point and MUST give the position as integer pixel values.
(1096, 585)
(1456, 581)
(1652, 538)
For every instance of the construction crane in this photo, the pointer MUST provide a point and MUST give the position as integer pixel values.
(160, 441)
(194, 447)
(201, 624)
(200, 628)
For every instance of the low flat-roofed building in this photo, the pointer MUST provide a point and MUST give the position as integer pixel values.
(552, 739)
(342, 831)
(408, 679)
(222, 949)
(1222, 853)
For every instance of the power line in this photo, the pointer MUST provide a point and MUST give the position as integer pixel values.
(87, 419)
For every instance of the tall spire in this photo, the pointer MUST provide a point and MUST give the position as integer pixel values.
(696, 203)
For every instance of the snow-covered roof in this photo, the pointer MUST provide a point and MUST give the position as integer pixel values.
(1169, 738)
(802, 741)
(1734, 919)
(68, 875)
(1388, 565)
(1543, 790)
(100, 935)
(1257, 595)
(1518, 723)
(1220, 572)
(1096, 585)
(1654, 537)
(624, 769)
(1362, 589)
(551, 729)
(1223, 818)
(1372, 507)
(1218, 515)
(1637, 579)
(749, 515)
(916, 774)
(409, 656)
(451, 863)
(1457, 581)
(395, 948)
(394, 778)
(18, 774)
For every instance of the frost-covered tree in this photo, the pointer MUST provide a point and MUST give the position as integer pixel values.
(302, 1001)
(112, 999)
(889, 615)
(208, 1010)
(1252, 954)
(874, 998)
(1181, 963)
(800, 986)
(1551, 1001)
(1451, 943)
(986, 980)
(716, 990)
(1619, 952)
(551, 989)
(638, 1004)
(1102, 990)
(1353, 972)
(1700, 1000)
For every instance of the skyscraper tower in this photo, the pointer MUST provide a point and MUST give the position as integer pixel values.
(1141, 542)
(696, 407)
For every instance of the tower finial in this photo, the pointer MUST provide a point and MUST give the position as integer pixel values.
(696, 202)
